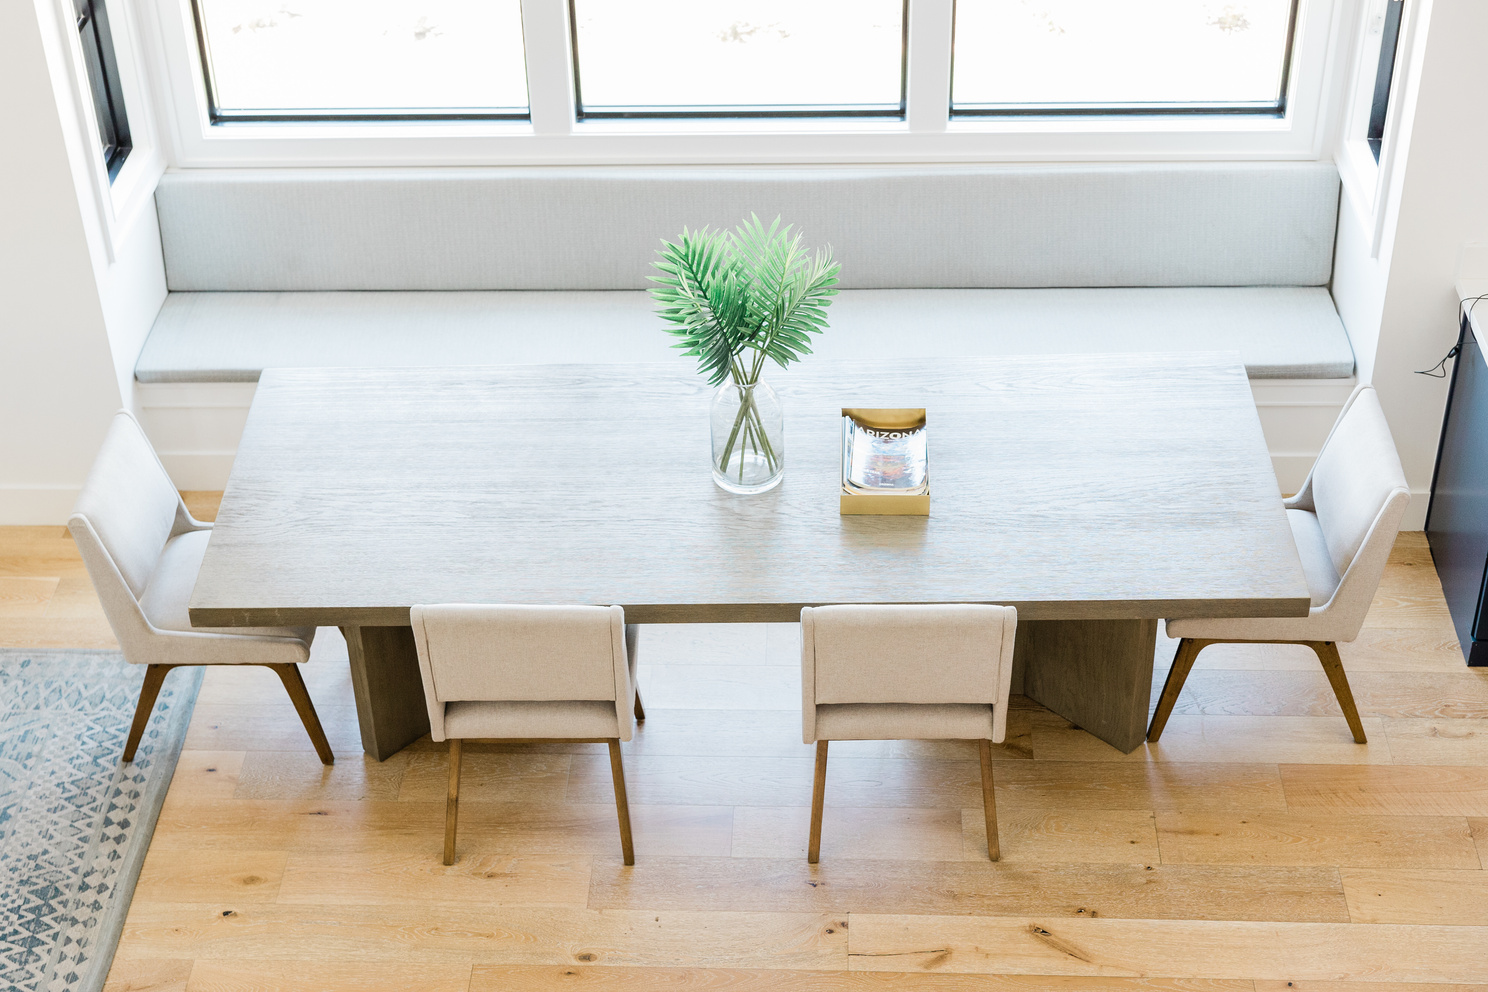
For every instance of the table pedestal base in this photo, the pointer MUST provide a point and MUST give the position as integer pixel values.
(389, 691)
(1097, 674)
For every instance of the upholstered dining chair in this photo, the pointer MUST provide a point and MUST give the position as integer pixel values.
(507, 674)
(1344, 520)
(143, 548)
(905, 673)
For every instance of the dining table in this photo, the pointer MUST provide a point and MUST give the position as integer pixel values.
(1097, 494)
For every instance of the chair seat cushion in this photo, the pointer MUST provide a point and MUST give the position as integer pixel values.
(903, 721)
(1322, 582)
(1317, 563)
(522, 720)
(1289, 332)
(168, 594)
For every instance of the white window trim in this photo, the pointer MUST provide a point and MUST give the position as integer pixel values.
(118, 204)
(1367, 184)
(554, 138)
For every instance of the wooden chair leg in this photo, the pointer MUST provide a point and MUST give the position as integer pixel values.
(149, 692)
(1183, 662)
(989, 802)
(818, 799)
(1327, 653)
(622, 803)
(300, 696)
(640, 711)
(452, 804)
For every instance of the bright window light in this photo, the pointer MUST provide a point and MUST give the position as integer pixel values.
(1095, 56)
(737, 57)
(326, 59)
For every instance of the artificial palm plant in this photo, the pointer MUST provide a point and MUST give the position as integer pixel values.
(737, 298)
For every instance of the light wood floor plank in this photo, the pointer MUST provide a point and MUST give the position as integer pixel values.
(1438, 742)
(745, 781)
(206, 775)
(1313, 986)
(911, 834)
(1420, 790)
(1119, 836)
(1098, 785)
(244, 876)
(420, 877)
(403, 827)
(327, 976)
(232, 727)
(25, 597)
(147, 976)
(1269, 739)
(507, 978)
(1427, 695)
(970, 887)
(1417, 896)
(1315, 839)
(299, 774)
(1181, 948)
(500, 778)
(469, 934)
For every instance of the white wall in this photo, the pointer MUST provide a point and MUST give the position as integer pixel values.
(1400, 307)
(73, 316)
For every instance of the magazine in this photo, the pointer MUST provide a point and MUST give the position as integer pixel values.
(884, 453)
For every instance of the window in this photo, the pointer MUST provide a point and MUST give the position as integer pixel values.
(734, 58)
(1384, 75)
(1047, 57)
(103, 80)
(306, 60)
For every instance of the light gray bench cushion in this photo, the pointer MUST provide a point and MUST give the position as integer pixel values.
(1281, 332)
(1014, 226)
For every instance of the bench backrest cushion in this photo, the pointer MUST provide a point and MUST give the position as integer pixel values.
(1182, 224)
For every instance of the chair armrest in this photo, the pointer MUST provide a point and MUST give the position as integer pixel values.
(185, 523)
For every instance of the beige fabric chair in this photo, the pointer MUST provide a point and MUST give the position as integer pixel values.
(905, 673)
(529, 673)
(143, 550)
(1344, 521)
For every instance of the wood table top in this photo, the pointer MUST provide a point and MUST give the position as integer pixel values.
(1072, 487)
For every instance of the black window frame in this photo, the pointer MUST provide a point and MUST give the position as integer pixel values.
(1272, 108)
(1384, 76)
(101, 65)
(693, 112)
(216, 115)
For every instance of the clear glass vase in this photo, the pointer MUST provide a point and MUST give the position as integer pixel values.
(748, 438)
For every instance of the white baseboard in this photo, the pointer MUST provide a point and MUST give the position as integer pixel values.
(36, 506)
(1415, 514)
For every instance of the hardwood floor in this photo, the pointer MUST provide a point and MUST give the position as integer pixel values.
(1255, 848)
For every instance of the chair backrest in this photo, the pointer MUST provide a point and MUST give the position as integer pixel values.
(1356, 479)
(130, 504)
(521, 653)
(953, 653)
(127, 511)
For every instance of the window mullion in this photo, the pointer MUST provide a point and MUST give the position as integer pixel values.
(928, 86)
(550, 91)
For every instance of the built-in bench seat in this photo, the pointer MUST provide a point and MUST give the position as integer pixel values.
(390, 267)
(1289, 332)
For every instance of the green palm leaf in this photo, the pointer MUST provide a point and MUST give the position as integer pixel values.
(754, 289)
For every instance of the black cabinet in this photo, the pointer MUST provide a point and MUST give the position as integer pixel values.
(1457, 521)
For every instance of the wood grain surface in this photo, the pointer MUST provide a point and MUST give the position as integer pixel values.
(1106, 487)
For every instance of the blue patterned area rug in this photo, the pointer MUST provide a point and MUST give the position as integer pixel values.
(75, 821)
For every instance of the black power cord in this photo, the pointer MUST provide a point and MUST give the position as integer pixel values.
(1465, 309)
